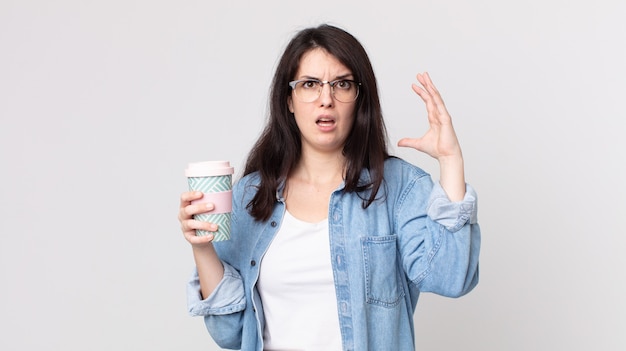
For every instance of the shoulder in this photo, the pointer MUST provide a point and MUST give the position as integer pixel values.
(252, 179)
(408, 184)
(245, 188)
(398, 168)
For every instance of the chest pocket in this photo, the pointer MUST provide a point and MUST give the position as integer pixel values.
(382, 275)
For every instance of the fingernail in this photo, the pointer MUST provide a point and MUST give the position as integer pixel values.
(209, 206)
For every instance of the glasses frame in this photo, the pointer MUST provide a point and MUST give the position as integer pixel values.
(321, 83)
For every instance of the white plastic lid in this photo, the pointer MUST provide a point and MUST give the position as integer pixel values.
(209, 169)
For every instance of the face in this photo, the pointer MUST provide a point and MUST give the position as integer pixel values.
(326, 122)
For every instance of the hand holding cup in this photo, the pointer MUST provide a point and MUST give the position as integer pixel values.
(209, 199)
(188, 224)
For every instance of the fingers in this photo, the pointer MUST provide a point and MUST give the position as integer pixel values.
(187, 209)
(188, 196)
(437, 112)
(191, 225)
(189, 228)
(429, 86)
(425, 91)
(185, 201)
(411, 142)
(187, 222)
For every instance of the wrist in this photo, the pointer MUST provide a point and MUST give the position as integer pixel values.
(202, 247)
(452, 177)
(455, 160)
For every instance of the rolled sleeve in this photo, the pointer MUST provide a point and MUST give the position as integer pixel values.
(453, 215)
(228, 297)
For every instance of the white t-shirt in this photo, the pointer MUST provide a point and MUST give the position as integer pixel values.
(297, 289)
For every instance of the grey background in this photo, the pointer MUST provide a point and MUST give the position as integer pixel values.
(103, 103)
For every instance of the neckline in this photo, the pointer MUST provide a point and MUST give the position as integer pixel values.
(305, 223)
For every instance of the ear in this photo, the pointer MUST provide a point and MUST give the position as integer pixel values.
(290, 104)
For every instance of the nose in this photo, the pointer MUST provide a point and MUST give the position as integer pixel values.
(326, 95)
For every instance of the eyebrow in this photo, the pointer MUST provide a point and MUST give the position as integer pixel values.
(343, 76)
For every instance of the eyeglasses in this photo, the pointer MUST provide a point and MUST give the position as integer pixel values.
(309, 90)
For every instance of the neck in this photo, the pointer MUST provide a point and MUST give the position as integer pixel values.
(320, 168)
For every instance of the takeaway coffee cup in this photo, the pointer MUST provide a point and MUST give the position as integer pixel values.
(214, 179)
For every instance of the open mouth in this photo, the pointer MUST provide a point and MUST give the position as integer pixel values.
(325, 121)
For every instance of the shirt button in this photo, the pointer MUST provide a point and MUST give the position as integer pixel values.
(253, 263)
(273, 224)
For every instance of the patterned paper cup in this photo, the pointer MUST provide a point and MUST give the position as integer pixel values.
(214, 179)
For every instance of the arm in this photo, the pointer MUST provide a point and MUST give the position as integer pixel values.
(208, 264)
(441, 249)
(439, 239)
(215, 291)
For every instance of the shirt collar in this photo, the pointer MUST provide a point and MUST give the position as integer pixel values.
(364, 178)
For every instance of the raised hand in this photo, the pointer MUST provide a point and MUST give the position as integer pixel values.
(440, 141)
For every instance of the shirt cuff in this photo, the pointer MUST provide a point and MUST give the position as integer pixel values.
(228, 297)
(453, 215)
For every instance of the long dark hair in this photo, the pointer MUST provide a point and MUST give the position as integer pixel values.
(278, 150)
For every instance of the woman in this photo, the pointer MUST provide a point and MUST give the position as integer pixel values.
(332, 238)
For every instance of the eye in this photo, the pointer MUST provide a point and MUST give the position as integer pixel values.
(309, 84)
(343, 84)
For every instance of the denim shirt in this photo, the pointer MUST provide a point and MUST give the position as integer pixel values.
(412, 239)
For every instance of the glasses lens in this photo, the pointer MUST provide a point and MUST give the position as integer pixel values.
(308, 90)
(345, 90)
